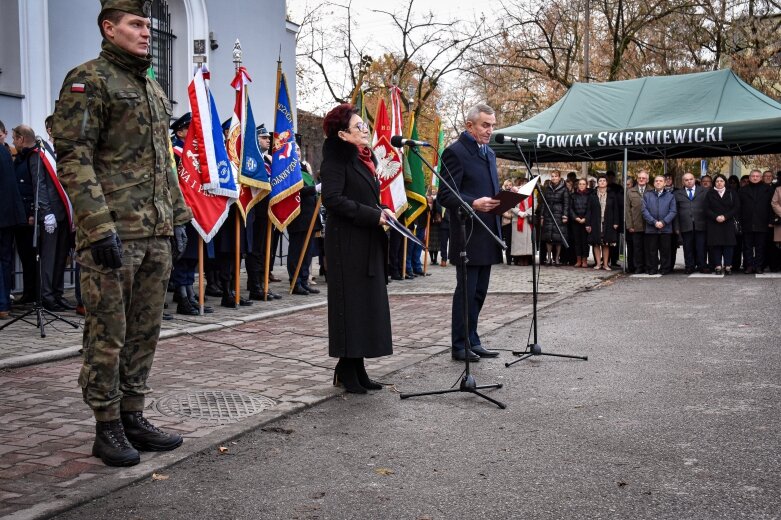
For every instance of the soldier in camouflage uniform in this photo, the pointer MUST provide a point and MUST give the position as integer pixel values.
(113, 157)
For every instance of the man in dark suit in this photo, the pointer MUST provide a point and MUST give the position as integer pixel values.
(470, 168)
(755, 214)
(690, 223)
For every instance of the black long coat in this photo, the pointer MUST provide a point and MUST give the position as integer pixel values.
(603, 233)
(558, 198)
(356, 248)
(755, 208)
(721, 233)
(12, 212)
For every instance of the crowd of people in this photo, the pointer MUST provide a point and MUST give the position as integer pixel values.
(722, 224)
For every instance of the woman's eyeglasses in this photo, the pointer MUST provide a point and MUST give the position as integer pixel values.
(362, 127)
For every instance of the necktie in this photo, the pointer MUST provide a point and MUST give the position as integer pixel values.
(691, 194)
(481, 150)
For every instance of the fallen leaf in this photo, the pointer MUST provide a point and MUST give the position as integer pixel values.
(158, 476)
(622, 484)
(223, 449)
(393, 388)
(384, 471)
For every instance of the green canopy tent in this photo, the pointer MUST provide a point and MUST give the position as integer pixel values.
(707, 114)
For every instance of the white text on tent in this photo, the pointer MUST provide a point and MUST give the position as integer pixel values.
(711, 134)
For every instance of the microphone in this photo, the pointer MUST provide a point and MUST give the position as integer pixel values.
(399, 141)
(501, 138)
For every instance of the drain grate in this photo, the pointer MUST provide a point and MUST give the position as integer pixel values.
(212, 406)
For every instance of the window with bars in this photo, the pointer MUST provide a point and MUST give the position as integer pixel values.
(162, 46)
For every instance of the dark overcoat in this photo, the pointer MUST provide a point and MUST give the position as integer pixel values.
(721, 233)
(474, 177)
(12, 212)
(690, 213)
(755, 208)
(603, 232)
(356, 248)
(558, 198)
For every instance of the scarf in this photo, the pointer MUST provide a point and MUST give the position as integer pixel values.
(602, 196)
(721, 191)
(365, 155)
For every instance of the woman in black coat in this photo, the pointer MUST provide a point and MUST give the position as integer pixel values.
(603, 223)
(558, 197)
(722, 206)
(579, 214)
(356, 248)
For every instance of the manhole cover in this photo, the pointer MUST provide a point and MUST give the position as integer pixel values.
(212, 406)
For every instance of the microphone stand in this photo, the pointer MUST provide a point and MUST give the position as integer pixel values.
(41, 314)
(534, 348)
(468, 383)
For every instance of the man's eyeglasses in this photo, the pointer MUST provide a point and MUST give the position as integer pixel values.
(362, 127)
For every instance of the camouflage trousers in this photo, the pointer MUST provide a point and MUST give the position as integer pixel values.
(122, 325)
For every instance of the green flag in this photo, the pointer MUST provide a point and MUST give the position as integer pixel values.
(414, 180)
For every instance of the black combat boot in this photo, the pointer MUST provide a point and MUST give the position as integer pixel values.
(194, 300)
(111, 445)
(363, 377)
(184, 306)
(146, 437)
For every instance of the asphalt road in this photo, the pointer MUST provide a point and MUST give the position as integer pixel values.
(676, 414)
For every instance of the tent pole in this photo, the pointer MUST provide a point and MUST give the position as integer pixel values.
(624, 175)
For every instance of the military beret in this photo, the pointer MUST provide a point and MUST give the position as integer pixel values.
(181, 122)
(262, 132)
(136, 7)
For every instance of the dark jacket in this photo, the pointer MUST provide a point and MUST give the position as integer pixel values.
(356, 248)
(602, 231)
(558, 198)
(12, 212)
(300, 224)
(690, 213)
(24, 165)
(755, 211)
(721, 233)
(474, 177)
(659, 207)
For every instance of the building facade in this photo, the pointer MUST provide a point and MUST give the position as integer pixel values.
(44, 39)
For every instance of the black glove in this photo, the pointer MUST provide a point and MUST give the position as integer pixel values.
(178, 242)
(108, 252)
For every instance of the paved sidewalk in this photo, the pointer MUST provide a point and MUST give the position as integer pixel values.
(270, 367)
(21, 343)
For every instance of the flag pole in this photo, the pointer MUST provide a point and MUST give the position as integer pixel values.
(306, 245)
(428, 229)
(268, 229)
(200, 275)
(404, 260)
(237, 227)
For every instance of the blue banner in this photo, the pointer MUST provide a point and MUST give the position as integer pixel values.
(286, 180)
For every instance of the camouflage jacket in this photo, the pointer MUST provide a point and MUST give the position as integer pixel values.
(113, 157)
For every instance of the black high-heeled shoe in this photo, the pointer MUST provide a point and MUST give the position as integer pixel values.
(345, 376)
(363, 377)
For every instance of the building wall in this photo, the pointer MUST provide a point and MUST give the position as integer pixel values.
(53, 36)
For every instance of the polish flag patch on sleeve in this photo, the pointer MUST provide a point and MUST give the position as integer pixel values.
(77, 87)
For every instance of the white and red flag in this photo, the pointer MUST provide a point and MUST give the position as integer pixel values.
(389, 163)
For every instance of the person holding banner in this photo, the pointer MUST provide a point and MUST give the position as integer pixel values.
(356, 246)
(111, 134)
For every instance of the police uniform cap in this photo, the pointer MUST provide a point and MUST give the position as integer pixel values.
(262, 132)
(136, 7)
(181, 122)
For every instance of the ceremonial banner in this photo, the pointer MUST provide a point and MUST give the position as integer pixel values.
(209, 211)
(286, 180)
(217, 173)
(416, 185)
(389, 167)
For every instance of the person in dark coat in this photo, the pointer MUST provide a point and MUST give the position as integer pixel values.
(297, 231)
(444, 230)
(579, 216)
(603, 222)
(356, 246)
(722, 207)
(659, 212)
(470, 166)
(557, 210)
(755, 221)
(690, 223)
(12, 214)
